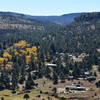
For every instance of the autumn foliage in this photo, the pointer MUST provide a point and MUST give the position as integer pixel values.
(19, 49)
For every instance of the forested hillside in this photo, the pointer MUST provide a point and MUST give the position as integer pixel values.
(15, 28)
(83, 35)
(31, 49)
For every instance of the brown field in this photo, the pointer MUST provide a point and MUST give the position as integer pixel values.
(91, 94)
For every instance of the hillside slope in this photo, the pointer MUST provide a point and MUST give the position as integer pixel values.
(15, 28)
(83, 35)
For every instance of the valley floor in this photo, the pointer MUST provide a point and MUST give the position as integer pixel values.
(92, 93)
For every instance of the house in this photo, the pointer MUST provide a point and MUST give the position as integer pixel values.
(70, 77)
(75, 88)
(61, 90)
(71, 88)
(87, 73)
(51, 65)
(91, 78)
(62, 54)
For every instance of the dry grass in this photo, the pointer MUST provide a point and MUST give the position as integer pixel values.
(48, 86)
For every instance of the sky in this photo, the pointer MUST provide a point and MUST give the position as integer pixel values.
(49, 7)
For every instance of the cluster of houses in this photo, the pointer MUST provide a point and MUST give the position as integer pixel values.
(78, 58)
(86, 75)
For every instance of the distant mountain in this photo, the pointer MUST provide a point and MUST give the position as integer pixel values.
(9, 20)
(61, 20)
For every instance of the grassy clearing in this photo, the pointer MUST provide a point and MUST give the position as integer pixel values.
(33, 95)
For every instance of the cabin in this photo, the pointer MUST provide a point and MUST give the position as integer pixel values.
(51, 65)
(61, 90)
(87, 73)
(91, 78)
(62, 54)
(75, 88)
(71, 88)
(70, 77)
